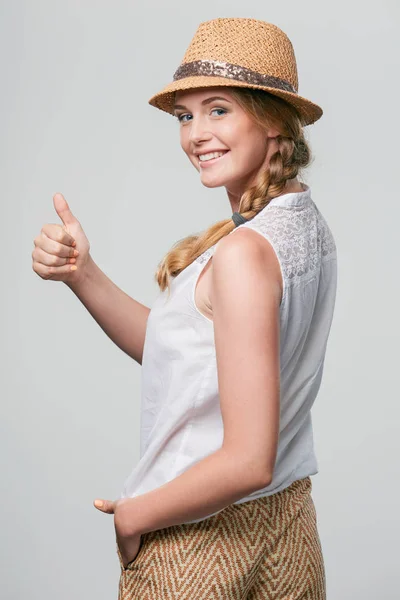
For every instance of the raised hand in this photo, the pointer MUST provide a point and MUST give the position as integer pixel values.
(61, 252)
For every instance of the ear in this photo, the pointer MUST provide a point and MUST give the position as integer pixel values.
(273, 132)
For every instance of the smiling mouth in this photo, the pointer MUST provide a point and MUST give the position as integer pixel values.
(211, 161)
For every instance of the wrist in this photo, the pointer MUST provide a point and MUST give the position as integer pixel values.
(125, 517)
(82, 275)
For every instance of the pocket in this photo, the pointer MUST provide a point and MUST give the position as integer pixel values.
(134, 560)
(139, 552)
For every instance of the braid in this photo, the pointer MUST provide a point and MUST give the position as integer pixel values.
(293, 154)
(284, 164)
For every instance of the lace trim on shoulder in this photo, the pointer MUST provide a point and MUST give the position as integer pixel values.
(299, 239)
(302, 238)
(205, 256)
(325, 236)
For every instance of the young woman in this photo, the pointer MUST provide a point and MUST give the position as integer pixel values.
(232, 351)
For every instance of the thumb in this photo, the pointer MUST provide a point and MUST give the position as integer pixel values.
(106, 506)
(63, 210)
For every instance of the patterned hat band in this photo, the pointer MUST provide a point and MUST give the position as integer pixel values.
(219, 68)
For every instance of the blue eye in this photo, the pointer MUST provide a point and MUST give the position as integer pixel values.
(180, 117)
(223, 109)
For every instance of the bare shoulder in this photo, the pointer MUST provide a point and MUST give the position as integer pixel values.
(239, 258)
(245, 247)
(244, 255)
(243, 240)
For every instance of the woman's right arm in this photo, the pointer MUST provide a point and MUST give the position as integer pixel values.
(121, 317)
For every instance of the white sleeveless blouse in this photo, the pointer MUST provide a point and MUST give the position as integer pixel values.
(181, 421)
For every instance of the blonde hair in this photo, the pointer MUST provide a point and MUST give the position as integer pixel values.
(292, 155)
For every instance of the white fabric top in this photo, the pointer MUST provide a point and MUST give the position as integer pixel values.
(181, 421)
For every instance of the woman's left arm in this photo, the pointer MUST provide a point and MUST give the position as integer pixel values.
(245, 298)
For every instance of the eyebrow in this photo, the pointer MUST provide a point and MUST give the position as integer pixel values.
(206, 101)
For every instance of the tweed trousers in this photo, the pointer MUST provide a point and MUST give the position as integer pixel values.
(265, 549)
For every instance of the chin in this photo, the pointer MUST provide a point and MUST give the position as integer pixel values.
(213, 184)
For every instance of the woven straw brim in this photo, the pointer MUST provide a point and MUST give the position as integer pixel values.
(164, 100)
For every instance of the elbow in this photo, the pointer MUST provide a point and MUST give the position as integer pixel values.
(251, 474)
(263, 481)
(258, 477)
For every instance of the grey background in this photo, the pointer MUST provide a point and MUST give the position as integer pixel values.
(76, 78)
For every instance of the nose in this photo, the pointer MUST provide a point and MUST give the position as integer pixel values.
(199, 130)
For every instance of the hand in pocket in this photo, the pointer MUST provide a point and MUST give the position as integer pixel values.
(129, 547)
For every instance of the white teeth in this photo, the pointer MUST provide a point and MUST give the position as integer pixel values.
(211, 155)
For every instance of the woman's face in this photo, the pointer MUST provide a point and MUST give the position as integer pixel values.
(209, 124)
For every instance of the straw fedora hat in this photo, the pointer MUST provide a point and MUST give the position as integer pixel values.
(244, 53)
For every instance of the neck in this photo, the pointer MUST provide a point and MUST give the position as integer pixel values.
(292, 186)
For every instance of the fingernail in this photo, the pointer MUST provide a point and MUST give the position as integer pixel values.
(73, 268)
(98, 503)
(76, 252)
(74, 243)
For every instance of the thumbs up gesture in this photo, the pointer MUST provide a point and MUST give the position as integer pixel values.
(61, 252)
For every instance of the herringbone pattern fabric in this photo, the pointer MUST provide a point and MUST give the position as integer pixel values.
(264, 549)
